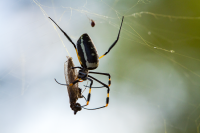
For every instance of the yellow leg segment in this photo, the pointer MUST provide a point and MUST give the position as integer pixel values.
(88, 97)
(107, 99)
(101, 56)
(109, 82)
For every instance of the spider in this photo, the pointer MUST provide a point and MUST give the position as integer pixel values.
(92, 23)
(89, 60)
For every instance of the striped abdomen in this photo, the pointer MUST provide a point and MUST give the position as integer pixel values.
(87, 53)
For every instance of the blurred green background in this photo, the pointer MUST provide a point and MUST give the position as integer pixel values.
(154, 67)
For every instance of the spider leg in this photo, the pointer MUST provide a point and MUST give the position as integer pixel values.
(114, 42)
(68, 39)
(108, 90)
(76, 67)
(89, 94)
(107, 74)
(64, 33)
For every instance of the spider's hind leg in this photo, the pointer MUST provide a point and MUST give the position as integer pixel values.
(108, 90)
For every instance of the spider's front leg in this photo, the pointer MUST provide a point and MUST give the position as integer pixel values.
(64, 33)
(66, 37)
(115, 40)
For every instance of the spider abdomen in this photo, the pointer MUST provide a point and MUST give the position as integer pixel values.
(87, 52)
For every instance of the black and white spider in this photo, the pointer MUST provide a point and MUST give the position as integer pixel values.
(89, 60)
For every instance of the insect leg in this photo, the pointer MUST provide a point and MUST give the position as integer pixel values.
(60, 83)
(76, 81)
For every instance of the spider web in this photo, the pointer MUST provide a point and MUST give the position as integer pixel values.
(154, 67)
